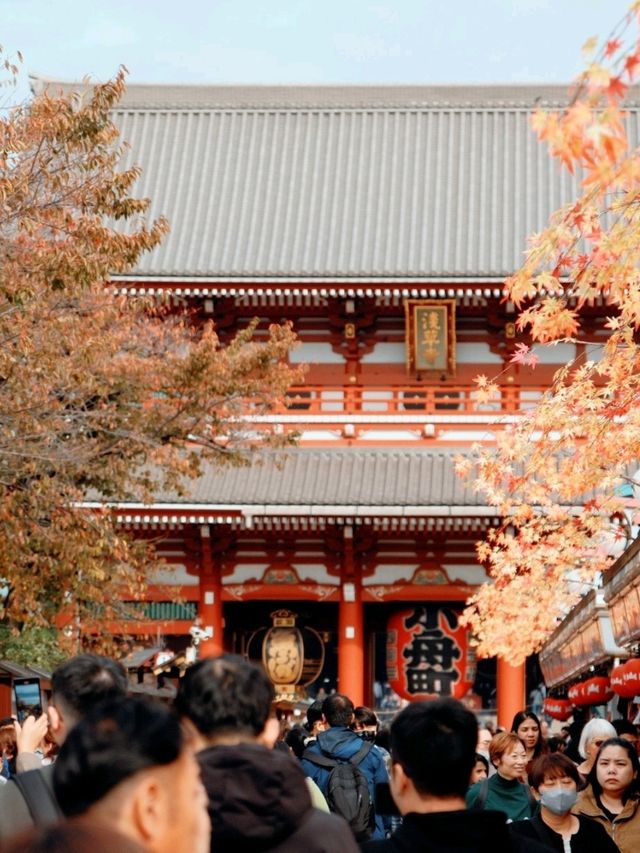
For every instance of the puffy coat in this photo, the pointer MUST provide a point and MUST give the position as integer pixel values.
(340, 743)
(259, 802)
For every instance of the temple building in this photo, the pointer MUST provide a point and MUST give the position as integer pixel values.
(382, 222)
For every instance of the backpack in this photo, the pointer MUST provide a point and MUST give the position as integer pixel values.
(347, 790)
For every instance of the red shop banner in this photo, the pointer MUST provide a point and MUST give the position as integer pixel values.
(428, 653)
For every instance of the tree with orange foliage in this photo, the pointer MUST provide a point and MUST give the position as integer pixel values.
(556, 477)
(99, 394)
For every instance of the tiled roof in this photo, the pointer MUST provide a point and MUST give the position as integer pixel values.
(348, 183)
(335, 477)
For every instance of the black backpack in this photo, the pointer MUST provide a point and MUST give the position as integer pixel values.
(347, 790)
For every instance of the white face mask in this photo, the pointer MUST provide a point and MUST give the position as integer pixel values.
(559, 800)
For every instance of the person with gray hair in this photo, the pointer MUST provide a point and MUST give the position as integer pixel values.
(592, 737)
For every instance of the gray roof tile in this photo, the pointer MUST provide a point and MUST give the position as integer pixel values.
(335, 477)
(354, 183)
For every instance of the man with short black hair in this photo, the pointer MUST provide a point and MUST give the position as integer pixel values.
(258, 798)
(340, 744)
(315, 722)
(128, 766)
(433, 748)
(77, 685)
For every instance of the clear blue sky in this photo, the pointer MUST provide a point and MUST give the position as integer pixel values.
(300, 41)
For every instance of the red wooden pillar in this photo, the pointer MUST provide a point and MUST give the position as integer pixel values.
(511, 691)
(210, 599)
(351, 627)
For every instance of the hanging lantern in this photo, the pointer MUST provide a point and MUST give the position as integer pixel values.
(285, 655)
(428, 654)
(630, 678)
(576, 694)
(597, 690)
(617, 679)
(557, 709)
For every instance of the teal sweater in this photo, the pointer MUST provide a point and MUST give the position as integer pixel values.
(505, 795)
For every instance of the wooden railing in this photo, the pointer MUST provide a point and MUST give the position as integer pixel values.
(406, 400)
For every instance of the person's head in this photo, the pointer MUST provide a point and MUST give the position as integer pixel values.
(527, 726)
(127, 765)
(8, 748)
(627, 731)
(315, 723)
(226, 698)
(365, 723)
(593, 736)
(73, 836)
(508, 755)
(79, 685)
(337, 710)
(554, 779)
(616, 770)
(556, 744)
(297, 739)
(480, 769)
(433, 748)
(484, 739)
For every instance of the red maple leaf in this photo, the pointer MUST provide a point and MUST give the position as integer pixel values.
(612, 46)
(631, 64)
(616, 88)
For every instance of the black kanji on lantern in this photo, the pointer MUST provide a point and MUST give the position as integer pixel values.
(431, 654)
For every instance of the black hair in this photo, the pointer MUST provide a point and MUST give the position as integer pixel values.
(556, 744)
(338, 710)
(634, 787)
(314, 714)
(296, 739)
(114, 741)
(383, 737)
(483, 759)
(364, 716)
(624, 727)
(226, 694)
(435, 743)
(84, 681)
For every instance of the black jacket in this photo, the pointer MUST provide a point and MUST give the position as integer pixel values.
(591, 837)
(454, 832)
(259, 801)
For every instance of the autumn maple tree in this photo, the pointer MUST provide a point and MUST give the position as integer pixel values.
(556, 477)
(100, 395)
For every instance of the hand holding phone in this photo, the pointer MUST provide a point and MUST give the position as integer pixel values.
(30, 733)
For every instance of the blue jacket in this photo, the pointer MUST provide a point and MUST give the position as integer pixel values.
(340, 743)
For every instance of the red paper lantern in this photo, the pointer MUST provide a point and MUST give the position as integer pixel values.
(557, 709)
(576, 693)
(630, 679)
(597, 690)
(428, 653)
(617, 679)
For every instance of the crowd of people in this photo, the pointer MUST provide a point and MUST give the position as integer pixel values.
(102, 771)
